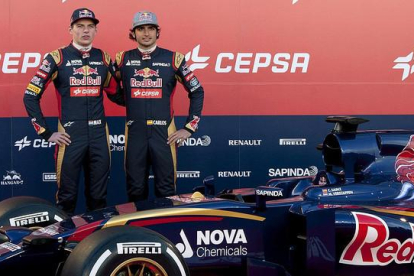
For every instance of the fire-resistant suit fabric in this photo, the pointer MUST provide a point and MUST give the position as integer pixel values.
(79, 79)
(149, 83)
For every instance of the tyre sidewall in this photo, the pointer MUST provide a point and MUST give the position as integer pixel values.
(29, 212)
(101, 253)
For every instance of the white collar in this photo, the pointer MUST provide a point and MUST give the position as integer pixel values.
(147, 51)
(82, 48)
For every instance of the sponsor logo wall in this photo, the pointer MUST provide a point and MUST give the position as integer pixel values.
(265, 103)
(222, 148)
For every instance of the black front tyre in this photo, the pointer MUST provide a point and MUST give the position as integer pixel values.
(31, 212)
(125, 250)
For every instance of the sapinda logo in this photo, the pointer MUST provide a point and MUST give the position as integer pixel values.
(203, 141)
(288, 172)
(250, 62)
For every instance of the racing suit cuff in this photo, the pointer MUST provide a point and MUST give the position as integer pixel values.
(46, 134)
(189, 130)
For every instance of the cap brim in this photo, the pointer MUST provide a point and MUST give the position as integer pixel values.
(142, 24)
(96, 21)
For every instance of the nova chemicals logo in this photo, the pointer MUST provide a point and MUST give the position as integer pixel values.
(117, 142)
(214, 243)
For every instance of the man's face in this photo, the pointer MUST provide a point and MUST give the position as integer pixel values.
(146, 36)
(83, 32)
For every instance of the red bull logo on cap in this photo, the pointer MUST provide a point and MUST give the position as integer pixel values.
(146, 73)
(145, 16)
(85, 13)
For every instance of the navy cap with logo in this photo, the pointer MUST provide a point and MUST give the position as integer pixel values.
(83, 13)
(144, 18)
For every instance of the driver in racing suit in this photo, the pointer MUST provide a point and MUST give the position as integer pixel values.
(80, 73)
(149, 76)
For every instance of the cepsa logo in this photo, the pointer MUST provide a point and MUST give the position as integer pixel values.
(405, 63)
(225, 62)
(250, 62)
(13, 63)
(37, 143)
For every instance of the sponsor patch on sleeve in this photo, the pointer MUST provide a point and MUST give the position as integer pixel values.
(119, 57)
(178, 59)
(34, 88)
(107, 58)
(193, 124)
(56, 56)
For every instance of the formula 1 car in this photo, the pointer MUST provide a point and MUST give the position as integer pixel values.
(357, 221)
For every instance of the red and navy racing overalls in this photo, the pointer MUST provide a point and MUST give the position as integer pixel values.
(149, 82)
(79, 79)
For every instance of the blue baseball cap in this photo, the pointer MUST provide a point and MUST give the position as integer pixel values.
(144, 18)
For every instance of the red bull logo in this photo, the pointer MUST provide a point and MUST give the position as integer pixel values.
(194, 122)
(372, 245)
(145, 16)
(404, 165)
(146, 83)
(146, 73)
(85, 13)
(85, 70)
(73, 81)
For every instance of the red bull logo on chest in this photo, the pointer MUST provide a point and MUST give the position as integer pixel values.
(146, 73)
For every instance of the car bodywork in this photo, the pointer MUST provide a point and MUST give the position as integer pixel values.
(361, 222)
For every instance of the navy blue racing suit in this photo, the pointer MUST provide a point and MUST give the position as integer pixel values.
(79, 79)
(149, 82)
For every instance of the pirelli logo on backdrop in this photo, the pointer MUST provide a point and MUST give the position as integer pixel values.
(292, 142)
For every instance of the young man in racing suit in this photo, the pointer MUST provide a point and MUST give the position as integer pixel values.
(149, 76)
(80, 73)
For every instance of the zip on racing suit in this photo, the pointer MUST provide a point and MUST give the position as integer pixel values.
(149, 83)
(79, 79)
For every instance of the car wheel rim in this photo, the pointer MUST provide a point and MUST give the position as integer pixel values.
(139, 267)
